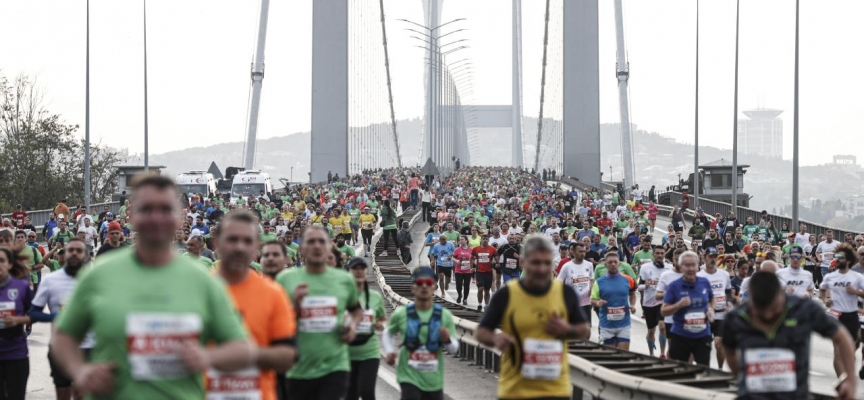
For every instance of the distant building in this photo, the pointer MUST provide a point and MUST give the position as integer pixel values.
(854, 205)
(846, 162)
(762, 133)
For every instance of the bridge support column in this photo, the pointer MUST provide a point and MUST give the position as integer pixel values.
(581, 91)
(329, 89)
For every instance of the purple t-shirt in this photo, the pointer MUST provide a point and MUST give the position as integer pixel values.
(15, 299)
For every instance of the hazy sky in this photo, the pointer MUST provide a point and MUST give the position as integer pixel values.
(200, 53)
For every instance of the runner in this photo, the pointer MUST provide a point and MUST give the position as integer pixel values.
(483, 258)
(427, 330)
(367, 229)
(510, 258)
(614, 294)
(662, 284)
(463, 269)
(578, 274)
(322, 294)
(115, 238)
(149, 310)
(265, 310)
(274, 259)
(846, 289)
(498, 241)
(690, 303)
(797, 281)
(15, 299)
(767, 342)
(649, 278)
(721, 286)
(365, 351)
(441, 260)
(53, 293)
(825, 253)
(533, 341)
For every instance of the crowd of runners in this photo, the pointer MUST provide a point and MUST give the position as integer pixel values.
(266, 297)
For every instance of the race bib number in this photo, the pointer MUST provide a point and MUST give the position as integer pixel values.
(367, 225)
(541, 359)
(680, 224)
(581, 283)
(152, 341)
(465, 266)
(510, 264)
(770, 370)
(239, 385)
(834, 313)
(444, 259)
(615, 313)
(7, 309)
(318, 314)
(423, 361)
(483, 258)
(720, 303)
(695, 322)
(365, 326)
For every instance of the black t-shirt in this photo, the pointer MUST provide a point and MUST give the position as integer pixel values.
(510, 251)
(466, 230)
(495, 310)
(592, 255)
(708, 242)
(791, 340)
(108, 247)
(736, 284)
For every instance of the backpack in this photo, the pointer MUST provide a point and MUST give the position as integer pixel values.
(412, 334)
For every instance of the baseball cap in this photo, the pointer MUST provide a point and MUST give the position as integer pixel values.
(791, 235)
(356, 262)
(109, 215)
(114, 226)
(711, 251)
(423, 272)
(796, 250)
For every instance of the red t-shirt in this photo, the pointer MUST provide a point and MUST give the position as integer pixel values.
(561, 264)
(18, 217)
(485, 256)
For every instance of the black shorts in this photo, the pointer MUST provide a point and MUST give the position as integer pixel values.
(717, 328)
(586, 310)
(61, 380)
(850, 322)
(446, 271)
(652, 316)
(484, 279)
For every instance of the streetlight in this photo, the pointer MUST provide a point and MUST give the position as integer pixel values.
(432, 29)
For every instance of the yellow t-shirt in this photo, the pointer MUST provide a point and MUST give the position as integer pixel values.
(336, 224)
(367, 221)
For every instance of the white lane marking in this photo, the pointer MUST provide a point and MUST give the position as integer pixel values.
(814, 373)
(388, 377)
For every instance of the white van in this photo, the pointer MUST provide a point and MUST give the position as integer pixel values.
(194, 182)
(250, 183)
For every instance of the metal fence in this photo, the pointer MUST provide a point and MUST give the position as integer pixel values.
(712, 207)
(39, 217)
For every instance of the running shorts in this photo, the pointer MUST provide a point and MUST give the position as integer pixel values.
(613, 335)
(652, 316)
(717, 328)
(484, 279)
(850, 322)
(447, 271)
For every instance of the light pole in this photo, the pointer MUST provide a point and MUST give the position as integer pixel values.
(87, 118)
(795, 222)
(146, 128)
(695, 188)
(735, 126)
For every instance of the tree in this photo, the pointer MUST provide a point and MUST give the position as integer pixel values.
(41, 159)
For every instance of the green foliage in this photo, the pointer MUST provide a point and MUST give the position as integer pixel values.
(41, 157)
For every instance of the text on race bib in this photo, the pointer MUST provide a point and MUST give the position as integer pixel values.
(238, 385)
(770, 370)
(541, 359)
(720, 303)
(318, 314)
(615, 313)
(423, 361)
(7, 309)
(465, 266)
(510, 264)
(153, 339)
(365, 326)
(695, 322)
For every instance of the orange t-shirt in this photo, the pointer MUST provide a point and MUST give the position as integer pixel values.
(268, 317)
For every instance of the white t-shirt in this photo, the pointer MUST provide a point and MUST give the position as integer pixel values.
(551, 231)
(799, 279)
(802, 240)
(837, 282)
(720, 282)
(498, 243)
(579, 277)
(665, 279)
(827, 250)
(54, 291)
(651, 275)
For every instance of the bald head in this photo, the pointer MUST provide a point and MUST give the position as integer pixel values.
(769, 266)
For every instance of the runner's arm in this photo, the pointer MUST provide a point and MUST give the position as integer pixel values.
(36, 314)
(66, 351)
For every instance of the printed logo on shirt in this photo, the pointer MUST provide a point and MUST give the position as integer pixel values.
(12, 293)
(794, 283)
(842, 284)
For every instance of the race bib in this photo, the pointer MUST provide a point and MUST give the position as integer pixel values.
(365, 326)
(465, 266)
(510, 264)
(541, 359)
(695, 322)
(367, 225)
(615, 313)
(152, 340)
(680, 224)
(720, 303)
(238, 385)
(483, 258)
(7, 309)
(423, 361)
(444, 259)
(318, 314)
(581, 283)
(770, 370)
(834, 313)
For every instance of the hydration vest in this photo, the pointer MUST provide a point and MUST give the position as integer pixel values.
(412, 334)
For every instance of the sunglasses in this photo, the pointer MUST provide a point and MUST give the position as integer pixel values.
(795, 257)
(425, 282)
(838, 257)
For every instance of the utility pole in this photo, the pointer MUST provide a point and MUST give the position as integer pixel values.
(735, 125)
(87, 118)
(516, 139)
(146, 119)
(795, 222)
(696, 182)
(257, 80)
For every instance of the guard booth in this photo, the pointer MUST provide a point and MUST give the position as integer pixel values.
(715, 183)
(125, 174)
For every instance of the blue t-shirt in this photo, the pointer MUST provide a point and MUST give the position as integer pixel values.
(615, 289)
(691, 322)
(443, 254)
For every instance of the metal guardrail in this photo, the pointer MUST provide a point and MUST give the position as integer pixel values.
(39, 217)
(595, 370)
(712, 207)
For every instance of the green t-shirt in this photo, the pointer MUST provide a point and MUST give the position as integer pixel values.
(749, 230)
(642, 255)
(240, 201)
(206, 262)
(347, 250)
(432, 380)
(62, 237)
(126, 305)
(256, 266)
(373, 311)
(600, 270)
(763, 233)
(320, 318)
(355, 216)
(268, 237)
(292, 249)
(54, 265)
(452, 236)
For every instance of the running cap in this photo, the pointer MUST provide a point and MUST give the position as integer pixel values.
(114, 226)
(711, 251)
(357, 262)
(423, 272)
(796, 250)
